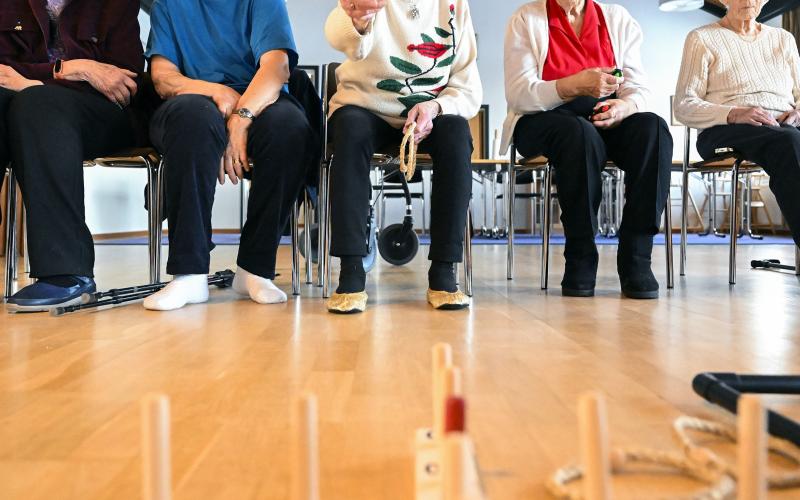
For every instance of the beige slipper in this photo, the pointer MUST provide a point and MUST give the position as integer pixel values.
(348, 303)
(448, 301)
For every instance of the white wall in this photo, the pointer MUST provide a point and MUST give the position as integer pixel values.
(663, 45)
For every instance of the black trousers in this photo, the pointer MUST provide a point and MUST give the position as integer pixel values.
(191, 133)
(46, 132)
(776, 149)
(641, 146)
(357, 135)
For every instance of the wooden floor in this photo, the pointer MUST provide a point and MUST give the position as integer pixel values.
(69, 387)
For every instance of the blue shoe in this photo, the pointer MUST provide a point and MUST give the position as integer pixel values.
(49, 293)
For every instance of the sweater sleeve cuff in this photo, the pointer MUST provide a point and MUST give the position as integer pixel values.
(638, 101)
(447, 104)
(549, 95)
(348, 31)
(721, 116)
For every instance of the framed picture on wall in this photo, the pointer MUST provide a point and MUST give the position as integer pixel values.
(314, 73)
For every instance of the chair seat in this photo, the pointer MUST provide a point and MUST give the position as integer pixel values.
(723, 163)
(536, 162)
(130, 158)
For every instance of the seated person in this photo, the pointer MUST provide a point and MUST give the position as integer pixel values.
(223, 66)
(406, 63)
(740, 84)
(68, 72)
(565, 103)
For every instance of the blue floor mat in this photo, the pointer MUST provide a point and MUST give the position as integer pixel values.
(556, 239)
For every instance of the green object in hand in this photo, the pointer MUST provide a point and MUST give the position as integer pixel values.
(617, 72)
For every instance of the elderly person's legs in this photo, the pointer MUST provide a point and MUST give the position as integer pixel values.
(450, 147)
(280, 145)
(6, 96)
(52, 129)
(642, 147)
(357, 134)
(190, 133)
(777, 150)
(577, 151)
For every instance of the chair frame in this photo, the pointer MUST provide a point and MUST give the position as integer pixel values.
(379, 161)
(727, 160)
(543, 164)
(154, 164)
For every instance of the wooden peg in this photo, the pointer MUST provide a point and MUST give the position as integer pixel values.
(450, 382)
(156, 462)
(460, 478)
(595, 446)
(305, 450)
(752, 450)
(442, 359)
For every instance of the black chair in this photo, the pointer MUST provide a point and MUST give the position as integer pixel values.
(542, 164)
(727, 160)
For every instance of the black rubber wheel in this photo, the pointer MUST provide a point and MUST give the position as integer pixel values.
(314, 242)
(398, 246)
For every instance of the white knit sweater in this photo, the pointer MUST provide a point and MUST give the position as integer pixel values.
(722, 70)
(526, 47)
(402, 61)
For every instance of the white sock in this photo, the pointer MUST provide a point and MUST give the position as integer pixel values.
(259, 289)
(183, 289)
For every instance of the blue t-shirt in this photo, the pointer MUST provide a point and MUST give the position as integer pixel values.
(220, 41)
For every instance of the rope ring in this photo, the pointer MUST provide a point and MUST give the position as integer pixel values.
(721, 485)
(707, 458)
(408, 165)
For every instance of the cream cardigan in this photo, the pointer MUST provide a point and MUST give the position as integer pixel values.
(526, 46)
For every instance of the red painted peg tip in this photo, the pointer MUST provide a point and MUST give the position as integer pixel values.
(455, 415)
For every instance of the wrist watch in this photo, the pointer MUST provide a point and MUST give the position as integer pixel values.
(245, 113)
(58, 67)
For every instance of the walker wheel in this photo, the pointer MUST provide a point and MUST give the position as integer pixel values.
(398, 246)
(314, 242)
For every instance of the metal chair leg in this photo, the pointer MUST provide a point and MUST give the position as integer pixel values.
(546, 224)
(307, 221)
(668, 243)
(468, 253)
(734, 223)
(157, 217)
(295, 250)
(322, 204)
(152, 237)
(685, 199)
(326, 230)
(510, 197)
(11, 233)
(424, 206)
(797, 261)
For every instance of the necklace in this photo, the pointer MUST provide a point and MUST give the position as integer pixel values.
(413, 10)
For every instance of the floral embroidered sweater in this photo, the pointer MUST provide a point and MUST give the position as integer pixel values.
(401, 61)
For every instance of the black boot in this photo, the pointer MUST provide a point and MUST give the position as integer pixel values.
(633, 265)
(580, 270)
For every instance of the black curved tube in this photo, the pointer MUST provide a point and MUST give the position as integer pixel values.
(724, 389)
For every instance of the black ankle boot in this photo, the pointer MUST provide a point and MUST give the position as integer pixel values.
(580, 270)
(634, 267)
(442, 277)
(352, 277)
